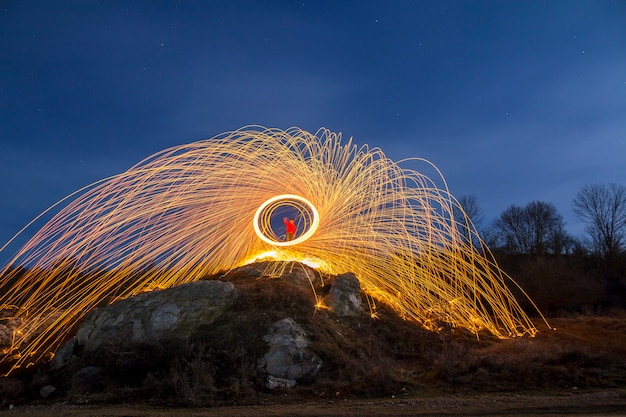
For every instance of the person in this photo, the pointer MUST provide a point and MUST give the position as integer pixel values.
(290, 229)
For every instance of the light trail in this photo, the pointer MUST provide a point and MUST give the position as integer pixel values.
(197, 209)
(307, 213)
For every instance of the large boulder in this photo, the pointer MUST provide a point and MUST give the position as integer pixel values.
(288, 359)
(157, 331)
(151, 318)
(344, 297)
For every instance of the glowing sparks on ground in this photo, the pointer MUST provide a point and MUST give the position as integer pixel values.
(194, 210)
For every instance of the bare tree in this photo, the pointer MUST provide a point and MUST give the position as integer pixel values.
(468, 206)
(536, 228)
(603, 208)
(546, 227)
(472, 209)
(561, 242)
(512, 227)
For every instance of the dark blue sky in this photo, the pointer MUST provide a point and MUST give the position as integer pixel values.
(514, 101)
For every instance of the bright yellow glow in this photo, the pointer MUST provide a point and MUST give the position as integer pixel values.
(284, 256)
(197, 209)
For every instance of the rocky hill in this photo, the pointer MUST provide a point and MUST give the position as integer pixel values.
(244, 335)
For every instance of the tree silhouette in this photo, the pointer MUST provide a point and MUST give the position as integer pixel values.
(469, 205)
(603, 208)
(536, 228)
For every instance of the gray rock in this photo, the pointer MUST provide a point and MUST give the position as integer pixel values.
(273, 382)
(88, 378)
(301, 275)
(288, 357)
(63, 355)
(344, 297)
(46, 391)
(151, 318)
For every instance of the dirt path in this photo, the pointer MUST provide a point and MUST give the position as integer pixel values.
(567, 403)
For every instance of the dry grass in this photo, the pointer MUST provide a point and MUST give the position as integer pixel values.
(362, 357)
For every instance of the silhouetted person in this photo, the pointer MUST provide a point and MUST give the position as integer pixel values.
(290, 229)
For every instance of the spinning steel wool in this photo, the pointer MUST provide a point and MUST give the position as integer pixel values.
(213, 205)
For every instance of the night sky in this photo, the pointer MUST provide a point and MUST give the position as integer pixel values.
(514, 101)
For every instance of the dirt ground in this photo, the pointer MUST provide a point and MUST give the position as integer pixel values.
(562, 403)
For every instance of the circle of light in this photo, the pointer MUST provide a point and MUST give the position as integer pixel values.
(180, 215)
(312, 228)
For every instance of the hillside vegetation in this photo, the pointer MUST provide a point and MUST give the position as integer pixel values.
(362, 357)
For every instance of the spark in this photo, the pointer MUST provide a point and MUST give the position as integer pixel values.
(188, 212)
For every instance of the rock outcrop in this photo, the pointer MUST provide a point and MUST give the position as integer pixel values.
(213, 317)
(150, 318)
(289, 359)
(171, 314)
(344, 297)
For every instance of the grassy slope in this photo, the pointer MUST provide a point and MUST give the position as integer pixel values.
(363, 357)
